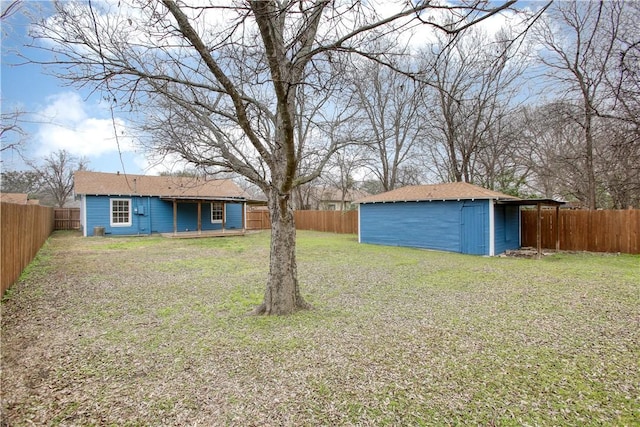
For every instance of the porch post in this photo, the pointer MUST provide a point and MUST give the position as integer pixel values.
(224, 215)
(244, 213)
(175, 216)
(199, 216)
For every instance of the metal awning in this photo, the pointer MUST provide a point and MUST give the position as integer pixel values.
(530, 202)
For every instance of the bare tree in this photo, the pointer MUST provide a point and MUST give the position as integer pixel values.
(319, 127)
(550, 146)
(475, 78)
(10, 8)
(29, 182)
(227, 90)
(56, 173)
(342, 172)
(619, 159)
(623, 80)
(499, 165)
(12, 134)
(618, 164)
(579, 40)
(392, 126)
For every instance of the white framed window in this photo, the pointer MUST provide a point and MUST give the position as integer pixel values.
(217, 212)
(120, 212)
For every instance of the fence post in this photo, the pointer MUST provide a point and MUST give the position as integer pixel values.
(557, 228)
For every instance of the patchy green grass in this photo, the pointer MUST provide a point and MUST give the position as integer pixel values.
(153, 331)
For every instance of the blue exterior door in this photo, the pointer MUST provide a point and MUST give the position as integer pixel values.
(472, 230)
(233, 215)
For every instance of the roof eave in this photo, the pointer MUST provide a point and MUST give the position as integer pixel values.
(165, 197)
(205, 198)
(497, 199)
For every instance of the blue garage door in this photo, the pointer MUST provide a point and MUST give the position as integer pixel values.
(473, 241)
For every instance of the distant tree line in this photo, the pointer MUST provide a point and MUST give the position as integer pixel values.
(553, 114)
(49, 181)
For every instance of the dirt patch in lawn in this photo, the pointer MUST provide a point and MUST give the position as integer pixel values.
(526, 252)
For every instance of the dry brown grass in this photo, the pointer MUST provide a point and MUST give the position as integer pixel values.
(152, 331)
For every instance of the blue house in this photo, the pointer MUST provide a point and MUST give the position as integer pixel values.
(123, 204)
(455, 217)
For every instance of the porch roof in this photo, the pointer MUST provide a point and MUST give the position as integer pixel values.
(202, 199)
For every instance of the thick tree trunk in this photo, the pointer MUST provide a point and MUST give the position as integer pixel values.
(282, 295)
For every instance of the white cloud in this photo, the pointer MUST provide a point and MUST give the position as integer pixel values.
(154, 165)
(81, 128)
(419, 35)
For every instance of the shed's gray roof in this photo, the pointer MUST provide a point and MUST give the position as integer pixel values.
(449, 191)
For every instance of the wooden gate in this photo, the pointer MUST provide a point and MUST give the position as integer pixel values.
(66, 218)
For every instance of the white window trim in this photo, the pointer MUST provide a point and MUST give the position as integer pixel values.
(119, 224)
(217, 221)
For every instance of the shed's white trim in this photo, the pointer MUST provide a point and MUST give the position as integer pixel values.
(519, 226)
(492, 229)
(359, 222)
(83, 216)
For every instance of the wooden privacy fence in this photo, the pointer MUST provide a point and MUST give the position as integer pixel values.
(583, 230)
(23, 231)
(329, 221)
(580, 230)
(67, 218)
(258, 220)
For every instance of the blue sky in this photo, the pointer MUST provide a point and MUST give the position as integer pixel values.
(59, 116)
(64, 117)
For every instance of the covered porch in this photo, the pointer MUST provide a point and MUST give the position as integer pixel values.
(223, 217)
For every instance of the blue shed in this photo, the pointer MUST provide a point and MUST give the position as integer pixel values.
(122, 204)
(455, 217)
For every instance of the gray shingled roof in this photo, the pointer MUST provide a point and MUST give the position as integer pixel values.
(449, 191)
